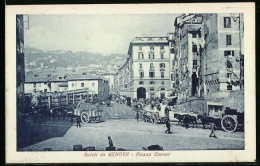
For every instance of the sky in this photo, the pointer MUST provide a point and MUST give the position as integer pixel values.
(106, 34)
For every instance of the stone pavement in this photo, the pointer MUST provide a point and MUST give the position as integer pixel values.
(131, 135)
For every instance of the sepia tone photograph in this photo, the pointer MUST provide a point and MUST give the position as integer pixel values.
(138, 84)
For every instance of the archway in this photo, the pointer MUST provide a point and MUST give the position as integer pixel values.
(141, 93)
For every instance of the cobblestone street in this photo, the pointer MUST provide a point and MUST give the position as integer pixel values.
(129, 134)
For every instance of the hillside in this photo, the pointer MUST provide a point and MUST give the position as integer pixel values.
(36, 58)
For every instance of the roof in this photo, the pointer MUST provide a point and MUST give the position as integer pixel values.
(39, 78)
(43, 77)
(82, 77)
(65, 84)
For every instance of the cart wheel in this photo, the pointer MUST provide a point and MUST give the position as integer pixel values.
(84, 117)
(229, 123)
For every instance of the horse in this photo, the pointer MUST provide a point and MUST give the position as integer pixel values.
(192, 119)
(207, 120)
(179, 117)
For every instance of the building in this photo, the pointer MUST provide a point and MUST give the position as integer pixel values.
(223, 61)
(146, 72)
(222, 52)
(57, 83)
(20, 72)
(37, 83)
(186, 63)
(110, 77)
(96, 85)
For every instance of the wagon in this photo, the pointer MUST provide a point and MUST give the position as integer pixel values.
(229, 118)
(88, 112)
(155, 115)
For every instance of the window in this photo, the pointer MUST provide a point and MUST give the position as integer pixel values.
(162, 47)
(152, 82)
(194, 35)
(194, 62)
(152, 47)
(228, 40)
(172, 77)
(149, 56)
(72, 84)
(229, 87)
(162, 56)
(153, 56)
(151, 74)
(229, 64)
(140, 48)
(141, 82)
(194, 48)
(140, 56)
(151, 65)
(93, 84)
(207, 91)
(162, 74)
(227, 22)
(151, 89)
(141, 74)
(162, 65)
(162, 88)
(229, 75)
(140, 65)
(82, 84)
(162, 82)
(45, 90)
(227, 53)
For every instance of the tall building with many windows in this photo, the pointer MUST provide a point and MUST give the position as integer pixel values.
(187, 60)
(223, 35)
(146, 72)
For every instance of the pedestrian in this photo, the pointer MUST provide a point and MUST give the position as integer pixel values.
(212, 127)
(186, 121)
(168, 126)
(110, 142)
(78, 121)
(137, 116)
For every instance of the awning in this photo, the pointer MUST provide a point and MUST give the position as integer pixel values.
(214, 103)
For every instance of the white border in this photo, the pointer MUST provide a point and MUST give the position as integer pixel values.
(249, 154)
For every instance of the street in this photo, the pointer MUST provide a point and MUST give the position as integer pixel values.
(129, 134)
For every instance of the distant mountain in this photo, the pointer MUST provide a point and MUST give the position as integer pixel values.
(36, 58)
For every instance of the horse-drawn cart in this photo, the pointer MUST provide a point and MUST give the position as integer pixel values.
(229, 118)
(88, 112)
(157, 114)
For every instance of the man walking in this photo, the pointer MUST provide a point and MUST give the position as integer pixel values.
(78, 121)
(212, 127)
(137, 116)
(168, 126)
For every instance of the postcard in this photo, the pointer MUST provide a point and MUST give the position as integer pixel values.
(121, 83)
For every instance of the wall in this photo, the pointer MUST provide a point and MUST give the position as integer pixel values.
(196, 106)
(20, 73)
(91, 84)
(39, 86)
